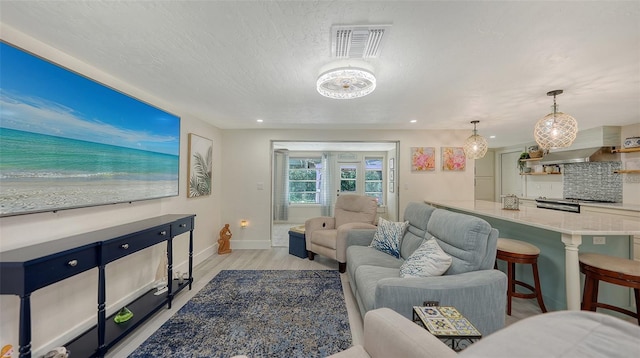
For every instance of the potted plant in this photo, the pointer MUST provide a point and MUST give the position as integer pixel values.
(522, 165)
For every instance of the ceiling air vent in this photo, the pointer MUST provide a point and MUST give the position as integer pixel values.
(358, 41)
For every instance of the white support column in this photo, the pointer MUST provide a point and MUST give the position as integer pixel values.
(572, 270)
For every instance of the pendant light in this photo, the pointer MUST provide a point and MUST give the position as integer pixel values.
(556, 129)
(475, 147)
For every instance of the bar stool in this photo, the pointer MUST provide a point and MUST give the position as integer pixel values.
(615, 270)
(520, 252)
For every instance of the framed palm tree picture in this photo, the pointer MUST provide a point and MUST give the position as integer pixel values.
(200, 166)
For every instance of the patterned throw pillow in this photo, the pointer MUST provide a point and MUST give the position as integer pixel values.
(388, 235)
(428, 260)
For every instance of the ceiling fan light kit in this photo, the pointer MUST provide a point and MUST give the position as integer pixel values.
(346, 83)
(475, 147)
(556, 129)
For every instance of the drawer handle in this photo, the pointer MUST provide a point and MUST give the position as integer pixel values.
(125, 246)
(73, 263)
(163, 233)
(183, 225)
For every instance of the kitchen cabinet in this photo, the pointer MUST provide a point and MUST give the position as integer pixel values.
(484, 178)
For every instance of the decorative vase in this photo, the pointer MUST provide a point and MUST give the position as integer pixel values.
(632, 142)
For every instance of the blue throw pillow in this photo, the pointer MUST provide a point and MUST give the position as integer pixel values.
(388, 236)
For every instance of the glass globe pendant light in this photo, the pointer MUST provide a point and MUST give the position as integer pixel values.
(557, 129)
(475, 147)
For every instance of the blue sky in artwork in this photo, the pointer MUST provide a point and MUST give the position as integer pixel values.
(38, 96)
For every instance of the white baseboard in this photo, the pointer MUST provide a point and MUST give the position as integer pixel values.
(250, 245)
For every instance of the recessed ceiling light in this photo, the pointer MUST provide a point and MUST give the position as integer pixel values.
(492, 137)
(259, 120)
(413, 120)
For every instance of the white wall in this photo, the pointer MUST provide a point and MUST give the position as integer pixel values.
(241, 165)
(76, 297)
(630, 182)
(247, 164)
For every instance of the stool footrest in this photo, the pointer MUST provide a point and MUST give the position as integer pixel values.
(533, 293)
(613, 308)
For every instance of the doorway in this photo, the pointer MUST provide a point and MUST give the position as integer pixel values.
(510, 182)
(307, 177)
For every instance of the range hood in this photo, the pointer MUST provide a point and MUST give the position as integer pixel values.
(596, 154)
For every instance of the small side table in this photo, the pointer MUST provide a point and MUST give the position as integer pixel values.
(447, 324)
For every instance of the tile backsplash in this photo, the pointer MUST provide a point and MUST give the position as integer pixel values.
(593, 181)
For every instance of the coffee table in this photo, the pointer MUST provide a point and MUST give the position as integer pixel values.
(448, 324)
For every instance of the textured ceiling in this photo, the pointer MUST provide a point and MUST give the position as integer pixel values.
(444, 63)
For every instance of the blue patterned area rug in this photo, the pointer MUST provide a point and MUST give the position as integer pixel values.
(271, 313)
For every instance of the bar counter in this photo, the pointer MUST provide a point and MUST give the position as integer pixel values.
(571, 226)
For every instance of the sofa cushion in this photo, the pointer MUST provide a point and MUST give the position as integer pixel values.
(364, 255)
(417, 214)
(367, 278)
(464, 237)
(428, 260)
(388, 235)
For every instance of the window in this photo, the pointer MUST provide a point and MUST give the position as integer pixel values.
(305, 180)
(348, 178)
(373, 179)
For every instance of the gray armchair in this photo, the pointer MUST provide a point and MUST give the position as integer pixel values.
(327, 236)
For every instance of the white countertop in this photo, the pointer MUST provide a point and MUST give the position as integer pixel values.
(559, 221)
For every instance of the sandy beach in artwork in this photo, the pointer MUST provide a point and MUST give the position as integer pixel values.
(34, 195)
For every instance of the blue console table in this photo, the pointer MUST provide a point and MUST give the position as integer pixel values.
(27, 269)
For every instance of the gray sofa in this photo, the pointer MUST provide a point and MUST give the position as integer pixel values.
(470, 284)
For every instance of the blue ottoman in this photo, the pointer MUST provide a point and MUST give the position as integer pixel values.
(297, 245)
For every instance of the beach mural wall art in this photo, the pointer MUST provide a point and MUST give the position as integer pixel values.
(67, 141)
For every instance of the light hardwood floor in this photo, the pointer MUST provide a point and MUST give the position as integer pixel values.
(277, 258)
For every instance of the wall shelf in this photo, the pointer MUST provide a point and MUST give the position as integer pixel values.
(625, 150)
(540, 173)
(531, 159)
(630, 171)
